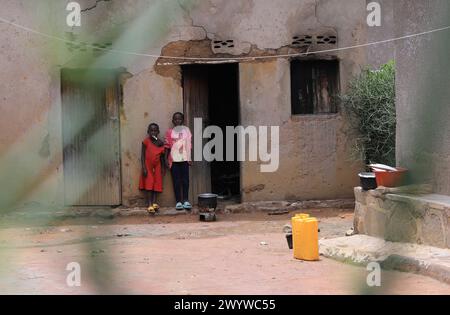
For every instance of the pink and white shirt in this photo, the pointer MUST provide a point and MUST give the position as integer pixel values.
(179, 141)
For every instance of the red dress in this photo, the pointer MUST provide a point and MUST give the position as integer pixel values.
(154, 180)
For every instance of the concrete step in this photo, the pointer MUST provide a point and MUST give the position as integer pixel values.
(362, 249)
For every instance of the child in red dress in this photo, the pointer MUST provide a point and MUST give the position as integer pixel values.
(153, 167)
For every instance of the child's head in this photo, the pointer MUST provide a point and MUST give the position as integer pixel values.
(153, 130)
(178, 119)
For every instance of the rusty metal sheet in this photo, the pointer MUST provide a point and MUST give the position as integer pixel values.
(91, 138)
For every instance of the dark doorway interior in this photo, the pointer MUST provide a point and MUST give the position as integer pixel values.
(211, 92)
(223, 112)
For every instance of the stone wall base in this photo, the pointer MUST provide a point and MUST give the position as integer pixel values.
(421, 219)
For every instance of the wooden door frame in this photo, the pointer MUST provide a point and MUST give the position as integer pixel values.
(197, 75)
(187, 113)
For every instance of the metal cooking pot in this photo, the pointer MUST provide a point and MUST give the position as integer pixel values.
(207, 201)
(368, 181)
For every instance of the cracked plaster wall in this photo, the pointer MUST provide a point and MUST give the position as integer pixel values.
(315, 150)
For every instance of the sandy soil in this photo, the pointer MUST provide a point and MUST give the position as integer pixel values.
(239, 254)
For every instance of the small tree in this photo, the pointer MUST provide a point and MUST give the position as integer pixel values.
(370, 106)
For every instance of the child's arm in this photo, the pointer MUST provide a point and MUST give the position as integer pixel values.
(166, 158)
(189, 147)
(144, 168)
(163, 164)
(168, 145)
(158, 142)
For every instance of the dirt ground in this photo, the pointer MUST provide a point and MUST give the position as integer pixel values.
(239, 254)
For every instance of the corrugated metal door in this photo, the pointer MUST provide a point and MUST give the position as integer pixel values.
(196, 94)
(91, 137)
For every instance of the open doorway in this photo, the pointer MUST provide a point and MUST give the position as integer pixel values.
(223, 112)
(211, 92)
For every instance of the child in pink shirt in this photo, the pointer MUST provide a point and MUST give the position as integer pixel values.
(178, 156)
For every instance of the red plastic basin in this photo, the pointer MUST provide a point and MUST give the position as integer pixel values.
(391, 178)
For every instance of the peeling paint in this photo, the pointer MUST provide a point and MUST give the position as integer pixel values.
(202, 49)
(254, 188)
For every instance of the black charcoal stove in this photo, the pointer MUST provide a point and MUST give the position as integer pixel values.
(207, 205)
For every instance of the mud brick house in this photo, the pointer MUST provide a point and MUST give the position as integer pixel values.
(75, 101)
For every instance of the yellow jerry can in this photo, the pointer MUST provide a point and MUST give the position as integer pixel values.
(305, 236)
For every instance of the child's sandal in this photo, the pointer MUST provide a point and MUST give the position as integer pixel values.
(151, 210)
(156, 207)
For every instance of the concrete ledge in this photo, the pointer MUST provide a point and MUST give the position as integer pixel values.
(362, 249)
(247, 207)
(269, 206)
(438, 202)
(49, 213)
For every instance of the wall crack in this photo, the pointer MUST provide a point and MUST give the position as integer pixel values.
(95, 5)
